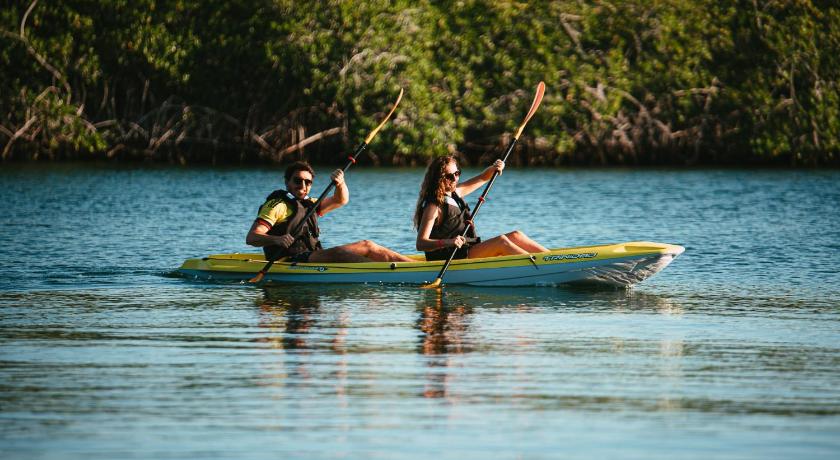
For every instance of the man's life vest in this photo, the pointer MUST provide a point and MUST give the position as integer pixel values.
(306, 237)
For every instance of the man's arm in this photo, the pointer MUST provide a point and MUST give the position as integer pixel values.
(258, 236)
(339, 198)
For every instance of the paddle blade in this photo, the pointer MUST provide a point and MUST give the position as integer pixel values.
(373, 133)
(534, 106)
(434, 284)
(258, 278)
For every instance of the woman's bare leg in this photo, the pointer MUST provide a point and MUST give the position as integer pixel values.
(498, 246)
(520, 239)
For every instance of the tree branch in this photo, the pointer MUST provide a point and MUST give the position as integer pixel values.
(309, 140)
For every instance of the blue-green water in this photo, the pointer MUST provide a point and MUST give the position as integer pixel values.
(733, 351)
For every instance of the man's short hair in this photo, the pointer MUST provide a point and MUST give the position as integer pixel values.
(298, 166)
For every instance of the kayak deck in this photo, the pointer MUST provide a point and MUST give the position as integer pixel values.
(621, 264)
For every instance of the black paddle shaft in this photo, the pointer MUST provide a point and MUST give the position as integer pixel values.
(477, 207)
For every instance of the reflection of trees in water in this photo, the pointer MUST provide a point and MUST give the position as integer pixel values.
(444, 322)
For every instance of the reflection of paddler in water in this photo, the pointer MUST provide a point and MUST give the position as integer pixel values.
(292, 317)
(443, 327)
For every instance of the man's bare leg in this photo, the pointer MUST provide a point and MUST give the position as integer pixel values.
(376, 252)
(360, 251)
(337, 254)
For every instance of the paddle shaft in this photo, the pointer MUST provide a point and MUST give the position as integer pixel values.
(314, 207)
(477, 207)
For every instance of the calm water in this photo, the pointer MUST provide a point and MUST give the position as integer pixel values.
(731, 352)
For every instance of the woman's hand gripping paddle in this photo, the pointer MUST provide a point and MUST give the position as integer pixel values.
(261, 274)
(534, 106)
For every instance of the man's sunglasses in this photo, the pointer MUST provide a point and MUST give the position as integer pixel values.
(452, 176)
(302, 181)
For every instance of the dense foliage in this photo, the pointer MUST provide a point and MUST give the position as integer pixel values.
(629, 82)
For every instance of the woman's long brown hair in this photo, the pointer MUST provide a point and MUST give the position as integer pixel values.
(432, 190)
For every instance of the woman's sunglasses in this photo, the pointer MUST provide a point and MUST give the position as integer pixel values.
(452, 176)
(302, 181)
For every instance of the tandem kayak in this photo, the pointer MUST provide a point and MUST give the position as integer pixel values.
(622, 264)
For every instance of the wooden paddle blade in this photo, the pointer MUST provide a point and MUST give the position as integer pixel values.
(258, 278)
(434, 284)
(534, 106)
(373, 133)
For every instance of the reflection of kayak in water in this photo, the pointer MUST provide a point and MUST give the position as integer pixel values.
(620, 264)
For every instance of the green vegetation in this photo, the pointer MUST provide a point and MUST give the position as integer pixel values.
(638, 82)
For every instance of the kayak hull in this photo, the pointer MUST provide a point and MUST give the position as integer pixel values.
(620, 265)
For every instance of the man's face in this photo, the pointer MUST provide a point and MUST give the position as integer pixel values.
(299, 184)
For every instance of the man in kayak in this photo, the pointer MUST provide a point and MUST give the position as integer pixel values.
(283, 212)
(441, 216)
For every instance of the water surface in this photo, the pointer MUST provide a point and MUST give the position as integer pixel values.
(731, 352)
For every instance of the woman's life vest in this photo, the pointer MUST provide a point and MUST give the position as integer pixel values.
(306, 237)
(451, 222)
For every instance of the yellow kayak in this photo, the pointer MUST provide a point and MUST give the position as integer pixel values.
(622, 264)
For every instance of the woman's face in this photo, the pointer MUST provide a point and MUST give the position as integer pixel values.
(451, 174)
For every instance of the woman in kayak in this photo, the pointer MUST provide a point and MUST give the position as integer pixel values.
(441, 216)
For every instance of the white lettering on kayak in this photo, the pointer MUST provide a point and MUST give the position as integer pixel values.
(303, 267)
(586, 255)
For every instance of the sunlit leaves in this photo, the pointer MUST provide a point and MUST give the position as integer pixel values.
(632, 81)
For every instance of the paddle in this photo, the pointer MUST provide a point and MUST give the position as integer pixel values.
(534, 106)
(261, 274)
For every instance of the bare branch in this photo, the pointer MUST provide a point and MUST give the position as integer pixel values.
(20, 132)
(573, 34)
(41, 60)
(710, 91)
(259, 140)
(105, 123)
(309, 140)
(117, 148)
(25, 15)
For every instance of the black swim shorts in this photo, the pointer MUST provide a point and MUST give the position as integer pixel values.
(300, 258)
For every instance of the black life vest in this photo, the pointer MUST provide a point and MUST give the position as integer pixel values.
(451, 223)
(306, 238)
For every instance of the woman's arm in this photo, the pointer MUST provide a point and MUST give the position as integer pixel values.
(471, 184)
